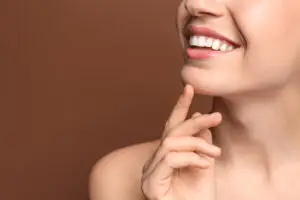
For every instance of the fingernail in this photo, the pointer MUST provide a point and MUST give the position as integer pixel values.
(217, 149)
(216, 114)
(185, 89)
(196, 115)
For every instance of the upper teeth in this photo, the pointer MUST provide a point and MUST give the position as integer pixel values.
(215, 44)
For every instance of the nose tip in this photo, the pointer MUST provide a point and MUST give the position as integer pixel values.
(200, 8)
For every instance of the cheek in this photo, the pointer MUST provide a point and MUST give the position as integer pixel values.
(271, 62)
(272, 40)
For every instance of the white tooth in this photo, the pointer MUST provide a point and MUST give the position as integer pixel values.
(193, 41)
(230, 47)
(208, 42)
(223, 47)
(216, 44)
(201, 41)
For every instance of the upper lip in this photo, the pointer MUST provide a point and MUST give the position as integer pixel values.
(200, 30)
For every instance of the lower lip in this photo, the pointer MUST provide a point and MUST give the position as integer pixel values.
(199, 54)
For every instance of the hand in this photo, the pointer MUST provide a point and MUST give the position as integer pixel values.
(182, 168)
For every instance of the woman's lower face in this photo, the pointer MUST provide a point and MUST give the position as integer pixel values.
(238, 47)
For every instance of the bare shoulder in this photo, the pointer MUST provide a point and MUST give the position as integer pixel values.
(117, 175)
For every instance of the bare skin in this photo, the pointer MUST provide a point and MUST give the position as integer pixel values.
(118, 175)
(145, 171)
(185, 145)
(255, 120)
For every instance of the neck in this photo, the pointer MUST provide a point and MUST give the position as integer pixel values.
(262, 131)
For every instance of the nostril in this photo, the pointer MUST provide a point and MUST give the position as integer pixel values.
(204, 14)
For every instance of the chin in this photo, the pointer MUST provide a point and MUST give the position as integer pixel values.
(208, 82)
(227, 85)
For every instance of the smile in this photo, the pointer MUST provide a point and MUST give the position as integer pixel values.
(209, 42)
(204, 43)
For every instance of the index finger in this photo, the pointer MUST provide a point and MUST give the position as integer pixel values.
(181, 109)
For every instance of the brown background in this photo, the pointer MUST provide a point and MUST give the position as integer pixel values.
(80, 78)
